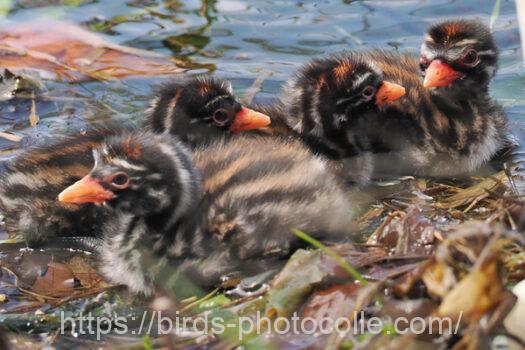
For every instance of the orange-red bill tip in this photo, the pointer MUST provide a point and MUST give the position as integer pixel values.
(248, 119)
(389, 92)
(439, 74)
(86, 190)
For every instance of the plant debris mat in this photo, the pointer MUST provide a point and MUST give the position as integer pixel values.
(431, 251)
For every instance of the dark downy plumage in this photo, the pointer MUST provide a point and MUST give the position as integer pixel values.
(467, 127)
(444, 126)
(325, 101)
(200, 110)
(227, 209)
(29, 185)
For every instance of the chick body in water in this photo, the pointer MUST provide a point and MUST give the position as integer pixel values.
(229, 208)
(444, 124)
(325, 103)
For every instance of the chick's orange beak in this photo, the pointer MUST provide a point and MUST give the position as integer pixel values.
(86, 190)
(389, 92)
(440, 74)
(247, 119)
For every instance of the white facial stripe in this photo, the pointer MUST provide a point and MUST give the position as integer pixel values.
(215, 100)
(186, 181)
(375, 68)
(105, 150)
(96, 157)
(226, 85)
(152, 107)
(451, 54)
(457, 53)
(360, 79)
(153, 177)
(486, 53)
(454, 53)
(127, 165)
(168, 121)
(314, 113)
(342, 100)
(466, 42)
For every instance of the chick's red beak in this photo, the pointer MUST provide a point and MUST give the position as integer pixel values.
(389, 92)
(247, 119)
(440, 74)
(86, 190)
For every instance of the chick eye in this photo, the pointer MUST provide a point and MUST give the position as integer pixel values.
(221, 117)
(119, 180)
(369, 91)
(470, 58)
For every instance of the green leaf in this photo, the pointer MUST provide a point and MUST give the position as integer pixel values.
(495, 13)
(147, 343)
(352, 271)
(212, 303)
(296, 280)
(5, 7)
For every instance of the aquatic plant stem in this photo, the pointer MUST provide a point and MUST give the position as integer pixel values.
(352, 271)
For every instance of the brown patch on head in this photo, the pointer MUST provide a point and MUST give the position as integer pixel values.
(451, 30)
(204, 88)
(131, 148)
(342, 70)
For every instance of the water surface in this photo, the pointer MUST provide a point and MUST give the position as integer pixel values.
(243, 39)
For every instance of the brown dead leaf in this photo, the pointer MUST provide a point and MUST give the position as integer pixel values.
(381, 273)
(408, 233)
(70, 52)
(404, 284)
(474, 338)
(439, 279)
(332, 303)
(85, 273)
(476, 294)
(57, 281)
